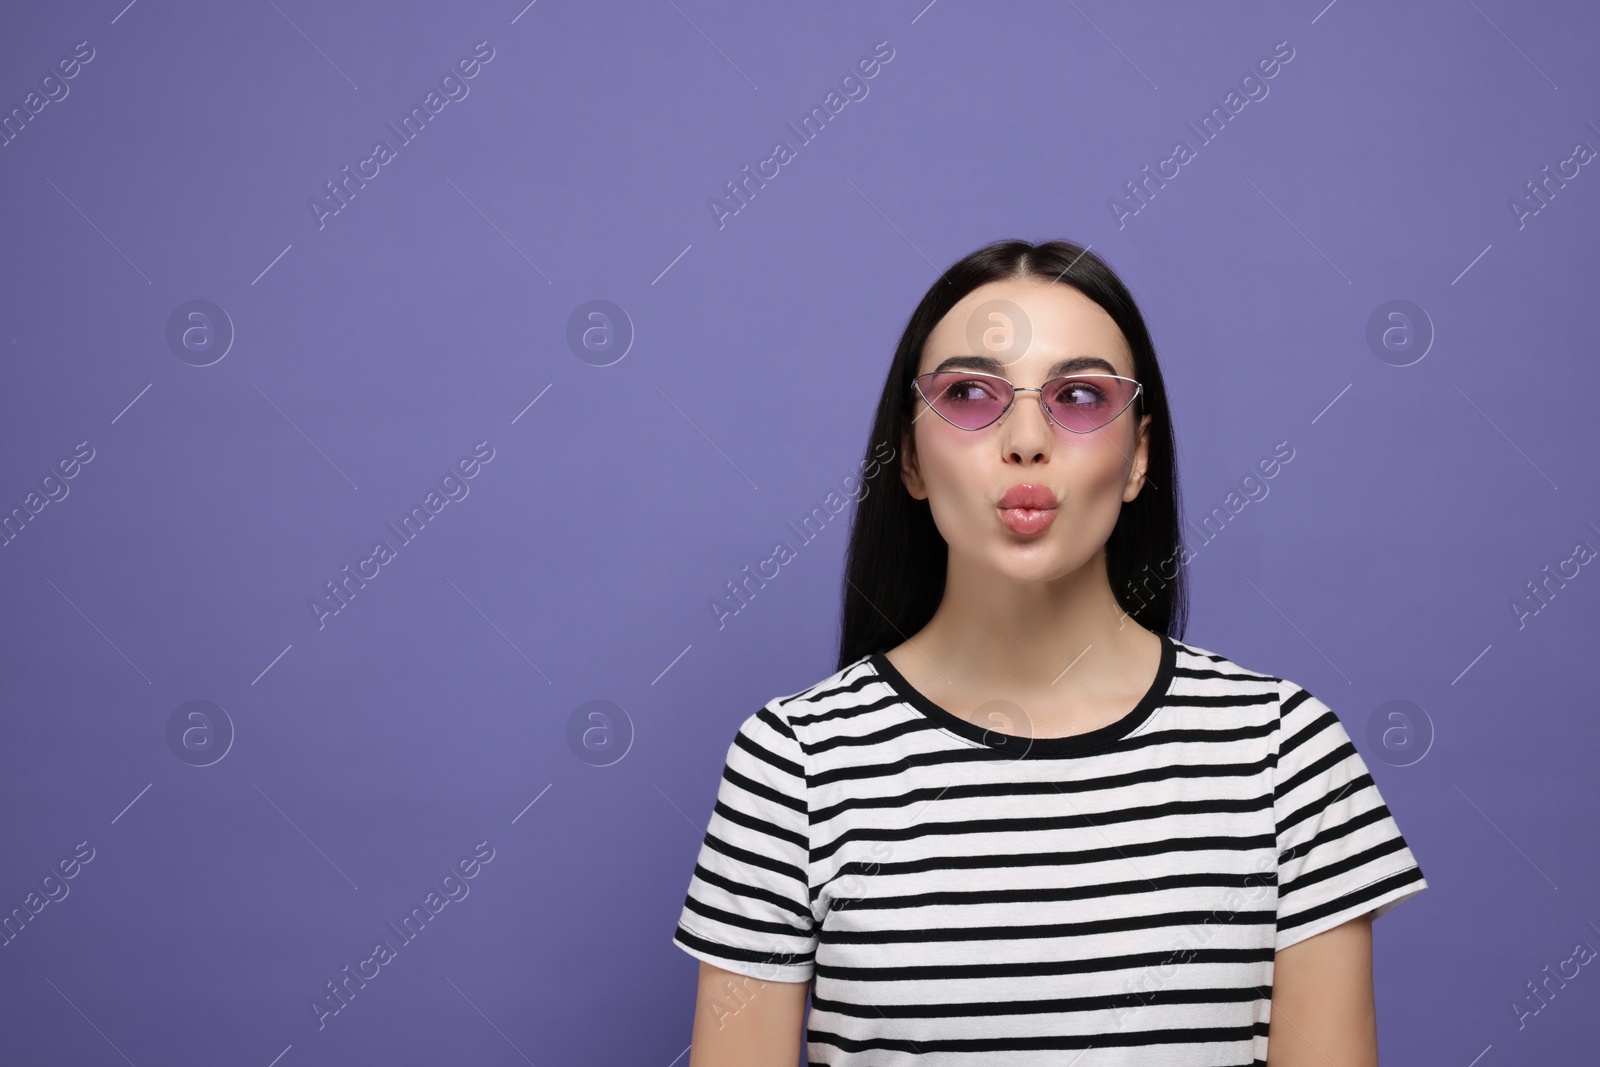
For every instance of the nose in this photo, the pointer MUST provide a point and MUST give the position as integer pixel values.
(1017, 393)
(1030, 434)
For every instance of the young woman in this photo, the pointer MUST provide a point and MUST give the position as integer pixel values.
(1023, 823)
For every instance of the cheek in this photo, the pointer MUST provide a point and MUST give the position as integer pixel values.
(1108, 473)
(1094, 488)
(955, 493)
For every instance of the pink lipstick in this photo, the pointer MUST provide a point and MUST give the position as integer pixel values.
(1028, 509)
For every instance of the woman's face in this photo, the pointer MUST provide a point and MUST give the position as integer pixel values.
(1026, 326)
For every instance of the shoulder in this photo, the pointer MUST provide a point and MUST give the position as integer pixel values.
(1212, 677)
(1299, 715)
(788, 718)
(800, 717)
(843, 687)
(1194, 661)
(1209, 678)
(842, 680)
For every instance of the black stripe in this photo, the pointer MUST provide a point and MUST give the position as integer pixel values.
(760, 825)
(1349, 863)
(765, 755)
(1039, 823)
(1335, 832)
(1088, 891)
(1349, 900)
(1354, 788)
(744, 855)
(745, 922)
(1128, 851)
(765, 792)
(975, 1009)
(1327, 761)
(1036, 968)
(929, 935)
(748, 955)
(1129, 1038)
(916, 797)
(751, 892)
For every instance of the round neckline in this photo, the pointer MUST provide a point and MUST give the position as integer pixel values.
(1015, 746)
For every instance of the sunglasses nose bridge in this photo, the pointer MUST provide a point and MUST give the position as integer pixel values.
(1017, 390)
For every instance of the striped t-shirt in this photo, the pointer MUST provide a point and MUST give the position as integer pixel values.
(963, 896)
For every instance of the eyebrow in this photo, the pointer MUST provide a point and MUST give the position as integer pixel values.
(1057, 369)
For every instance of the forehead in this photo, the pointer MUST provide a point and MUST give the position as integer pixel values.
(1026, 326)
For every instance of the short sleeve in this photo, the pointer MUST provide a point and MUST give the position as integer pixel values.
(1340, 852)
(748, 907)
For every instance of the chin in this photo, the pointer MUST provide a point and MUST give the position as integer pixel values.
(1032, 562)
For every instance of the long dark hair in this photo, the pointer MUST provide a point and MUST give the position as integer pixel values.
(895, 565)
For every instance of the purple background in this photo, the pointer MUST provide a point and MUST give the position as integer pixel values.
(370, 354)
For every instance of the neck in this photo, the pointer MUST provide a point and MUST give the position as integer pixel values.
(1005, 634)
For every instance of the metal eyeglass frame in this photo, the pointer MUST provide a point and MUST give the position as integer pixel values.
(916, 385)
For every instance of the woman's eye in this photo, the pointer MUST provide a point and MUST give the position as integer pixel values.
(1080, 394)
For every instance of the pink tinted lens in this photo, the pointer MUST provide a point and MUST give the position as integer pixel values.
(1088, 401)
(967, 401)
